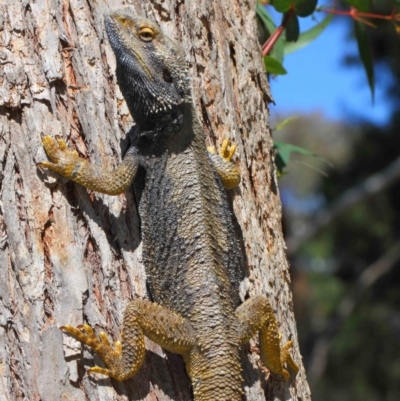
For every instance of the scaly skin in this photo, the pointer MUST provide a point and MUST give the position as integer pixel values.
(190, 252)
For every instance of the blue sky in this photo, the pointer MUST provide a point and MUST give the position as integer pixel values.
(318, 79)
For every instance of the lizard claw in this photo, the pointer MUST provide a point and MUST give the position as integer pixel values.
(286, 357)
(227, 151)
(109, 353)
(102, 371)
(222, 163)
(101, 344)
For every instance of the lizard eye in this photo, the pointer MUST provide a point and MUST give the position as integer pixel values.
(146, 34)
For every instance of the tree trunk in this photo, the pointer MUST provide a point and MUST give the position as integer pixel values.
(70, 256)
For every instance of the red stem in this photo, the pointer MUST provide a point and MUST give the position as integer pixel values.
(354, 13)
(269, 44)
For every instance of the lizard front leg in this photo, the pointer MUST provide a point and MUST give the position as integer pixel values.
(141, 318)
(256, 315)
(227, 171)
(68, 163)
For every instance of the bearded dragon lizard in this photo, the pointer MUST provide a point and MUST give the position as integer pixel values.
(190, 251)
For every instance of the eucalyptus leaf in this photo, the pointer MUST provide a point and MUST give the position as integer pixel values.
(292, 30)
(267, 21)
(266, 18)
(304, 8)
(360, 5)
(285, 122)
(365, 54)
(308, 36)
(284, 151)
(282, 5)
(273, 66)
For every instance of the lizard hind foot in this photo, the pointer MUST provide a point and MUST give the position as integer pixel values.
(109, 353)
(287, 358)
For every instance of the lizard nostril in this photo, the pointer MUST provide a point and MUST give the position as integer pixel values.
(167, 76)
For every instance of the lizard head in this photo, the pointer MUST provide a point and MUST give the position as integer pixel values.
(151, 70)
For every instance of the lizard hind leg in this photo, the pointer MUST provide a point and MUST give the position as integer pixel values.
(256, 315)
(222, 163)
(111, 354)
(123, 359)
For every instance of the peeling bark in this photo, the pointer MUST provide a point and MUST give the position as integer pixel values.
(71, 256)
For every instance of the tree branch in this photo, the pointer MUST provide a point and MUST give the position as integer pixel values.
(371, 186)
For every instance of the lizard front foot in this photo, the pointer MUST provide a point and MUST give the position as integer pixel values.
(226, 151)
(222, 162)
(110, 354)
(63, 160)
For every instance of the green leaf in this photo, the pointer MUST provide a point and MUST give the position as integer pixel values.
(263, 34)
(273, 66)
(267, 21)
(265, 24)
(308, 36)
(277, 51)
(360, 5)
(304, 8)
(265, 18)
(280, 164)
(284, 150)
(365, 54)
(282, 5)
(285, 122)
(282, 155)
(292, 28)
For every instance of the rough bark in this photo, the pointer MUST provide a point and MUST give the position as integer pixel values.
(68, 255)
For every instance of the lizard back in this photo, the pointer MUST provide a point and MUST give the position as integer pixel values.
(189, 247)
